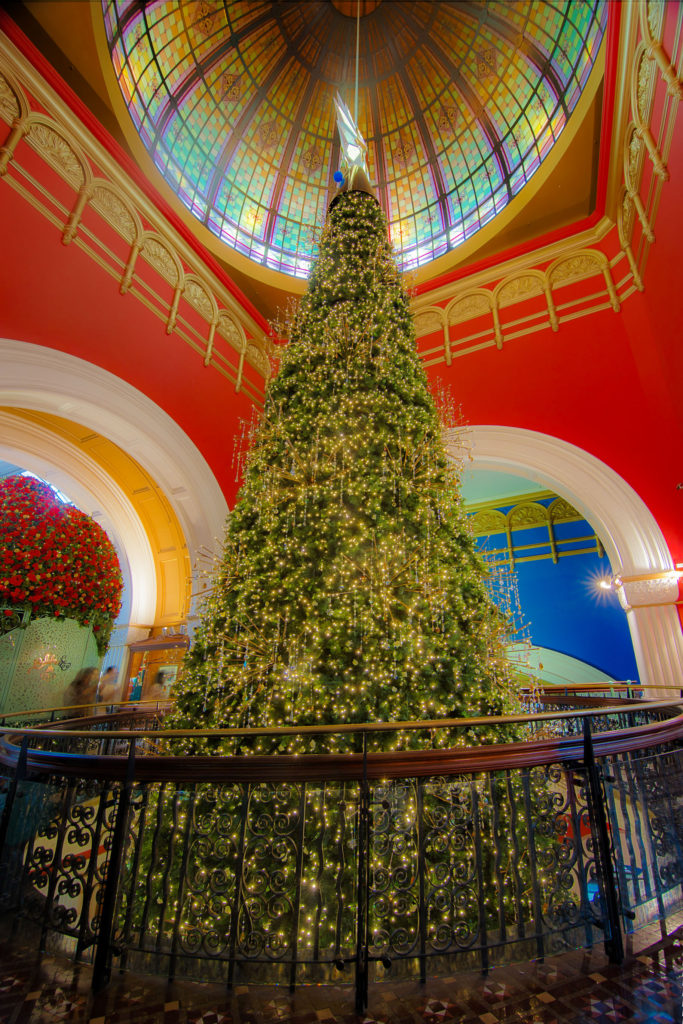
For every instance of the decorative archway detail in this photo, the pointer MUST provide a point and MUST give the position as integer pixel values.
(44, 380)
(642, 566)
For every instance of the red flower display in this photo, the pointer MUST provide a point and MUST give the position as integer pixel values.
(56, 559)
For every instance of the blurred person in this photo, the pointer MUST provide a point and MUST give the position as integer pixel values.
(157, 690)
(81, 690)
(107, 692)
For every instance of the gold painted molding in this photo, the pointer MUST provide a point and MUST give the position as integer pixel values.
(66, 147)
(487, 520)
(478, 299)
(164, 532)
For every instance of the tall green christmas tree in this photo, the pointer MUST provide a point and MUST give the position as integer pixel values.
(349, 588)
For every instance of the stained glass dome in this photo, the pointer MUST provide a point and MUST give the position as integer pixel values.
(459, 102)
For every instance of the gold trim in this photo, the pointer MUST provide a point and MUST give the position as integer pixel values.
(134, 208)
(158, 520)
(297, 286)
(143, 293)
(68, 148)
(633, 137)
(487, 520)
(495, 503)
(270, 278)
(468, 250)
(669, 574)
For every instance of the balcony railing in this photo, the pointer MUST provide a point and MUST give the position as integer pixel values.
(309, 868)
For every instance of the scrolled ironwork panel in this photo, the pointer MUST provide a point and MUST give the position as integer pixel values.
(174, 894)
(241, 874)
(559, 853)
(327, 897)
(645, 802)
(451, 899)
(393, 898)
(517, 865)
(267, 922)
(59, 855)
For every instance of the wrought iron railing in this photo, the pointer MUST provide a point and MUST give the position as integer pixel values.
(313, 868)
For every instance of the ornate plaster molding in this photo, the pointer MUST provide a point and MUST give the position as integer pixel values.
(67, 148)
(646, 591)
(633, 541)
(97, 494)
(643, 63)
(35, 377)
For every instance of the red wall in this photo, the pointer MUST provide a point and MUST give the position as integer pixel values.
(58, 296)
(600, 383)
(607, 382)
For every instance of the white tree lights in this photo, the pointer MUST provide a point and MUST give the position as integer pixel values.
(349, 588)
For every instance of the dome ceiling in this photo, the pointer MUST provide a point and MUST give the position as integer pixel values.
(459, 102)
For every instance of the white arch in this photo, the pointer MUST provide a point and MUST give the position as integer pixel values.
(43, 379)
(634, 543)
(94, 492)
(35, 377)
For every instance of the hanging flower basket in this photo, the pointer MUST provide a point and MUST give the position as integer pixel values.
(55, 560)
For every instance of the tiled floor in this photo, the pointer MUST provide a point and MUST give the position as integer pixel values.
(576, 988)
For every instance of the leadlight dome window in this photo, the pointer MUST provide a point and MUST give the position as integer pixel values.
(460, 103)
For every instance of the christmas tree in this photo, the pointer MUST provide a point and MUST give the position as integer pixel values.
(349, 589)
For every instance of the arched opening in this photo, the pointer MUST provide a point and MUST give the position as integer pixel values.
(123, 460)
(641, 563)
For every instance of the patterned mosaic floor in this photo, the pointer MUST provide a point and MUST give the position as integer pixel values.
(576, 988)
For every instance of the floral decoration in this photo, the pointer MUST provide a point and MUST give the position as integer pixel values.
(55, 559)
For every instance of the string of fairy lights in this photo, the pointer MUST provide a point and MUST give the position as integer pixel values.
(477, 840)
(349, 588)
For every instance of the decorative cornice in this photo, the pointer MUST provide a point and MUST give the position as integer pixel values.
(46, 380)
(633, 540)
(66, 146)
(580, 257)
(96, 493)
(647, 590)
(485, 279)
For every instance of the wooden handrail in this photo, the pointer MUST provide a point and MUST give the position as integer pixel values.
(542, 687)
(345, 767)
(342, 727)
(121, 705)
(548, 689)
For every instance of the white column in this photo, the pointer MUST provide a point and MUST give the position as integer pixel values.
(655, 625)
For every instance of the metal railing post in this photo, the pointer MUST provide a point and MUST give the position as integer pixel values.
(5, 818)
(614, 945)
(362, 908)
(19, 776)
(239, 884)
(296, 909)
(102, 961)
(421, 873)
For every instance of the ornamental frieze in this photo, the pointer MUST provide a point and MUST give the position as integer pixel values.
(57, 151)
(115, 212)
(468, 307)
(530, 514)
(156, 253)
(637, 592)
(575, 268)
(9, 104)
(522, 287)
(561, 511)
(198, 297)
